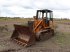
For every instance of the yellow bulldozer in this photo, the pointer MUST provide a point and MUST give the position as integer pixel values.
(39, 29)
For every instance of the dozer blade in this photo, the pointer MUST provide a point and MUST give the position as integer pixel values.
(23, 35)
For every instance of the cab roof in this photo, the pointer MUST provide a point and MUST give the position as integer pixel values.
(44, 10)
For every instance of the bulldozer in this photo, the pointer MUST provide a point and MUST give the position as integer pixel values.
(40, 28)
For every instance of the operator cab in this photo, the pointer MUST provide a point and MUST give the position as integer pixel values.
(42, 14)
(45, 14)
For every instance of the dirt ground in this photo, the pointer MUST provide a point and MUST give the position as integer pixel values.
(59, 43)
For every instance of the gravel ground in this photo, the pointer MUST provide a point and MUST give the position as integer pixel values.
(50, 45)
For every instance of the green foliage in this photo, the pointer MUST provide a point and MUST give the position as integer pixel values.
(62, 38)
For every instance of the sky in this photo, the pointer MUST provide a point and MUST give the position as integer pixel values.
(27, 8)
